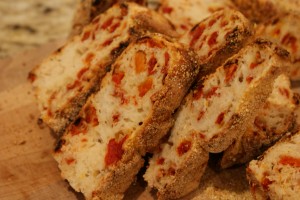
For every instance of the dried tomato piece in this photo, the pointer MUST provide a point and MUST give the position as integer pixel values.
(114, 151)
(291, 41)
(249, 79)
(121, 94)
(229, 72)
(167, 9)
(116, 117)
(31, 77)
(145, 87)
(107, 23)
(198, 93)
(107, 42)
(85, 36)
(81, 72)
(212, 92)
(196, 34)
(88, 59)
(289, 160)
(184, 147)
(266, 182)
(213, 39)
(91, 116)
(114, 27)
(220, 118)
(117, 77)
(284, 92)
(140, 61)
(160, 161)
(69, 160)
(151, 64)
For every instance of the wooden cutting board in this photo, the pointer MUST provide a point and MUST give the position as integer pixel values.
(27, 169)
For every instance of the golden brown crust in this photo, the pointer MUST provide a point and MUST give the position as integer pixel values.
(252, 102)
(243, 150)
(119, 177)
(176, 85)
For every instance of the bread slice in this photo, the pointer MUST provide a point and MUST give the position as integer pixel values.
(218, 37)
(63, 81)
(87, 10)
(262, 11)
(184, 14)
(101, 152)
(275, 175)
(285, 32)
(213, 115)
(273, 121)
(177, 166)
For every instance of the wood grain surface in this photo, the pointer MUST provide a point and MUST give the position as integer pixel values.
(27, 169)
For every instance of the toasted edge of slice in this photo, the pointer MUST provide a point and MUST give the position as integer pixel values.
(254, 98)
(275, 174)
(218, 37)
(273, 121)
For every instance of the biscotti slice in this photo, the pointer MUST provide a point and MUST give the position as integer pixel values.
(101, 152)
(184, 14)
(168, 171)
(262, 11)
(64, 80)
(275, 175)
(285, 32)
(218, 37)
(273, 121)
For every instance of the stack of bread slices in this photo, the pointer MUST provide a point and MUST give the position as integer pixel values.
(137, 81)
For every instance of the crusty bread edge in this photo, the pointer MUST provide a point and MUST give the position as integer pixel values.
(252, 102)
(255, 186)
(167, 100)
(119, 177)
(187, 177)
(237, 39)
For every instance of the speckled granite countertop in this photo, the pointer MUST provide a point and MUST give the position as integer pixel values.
(27, 24)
